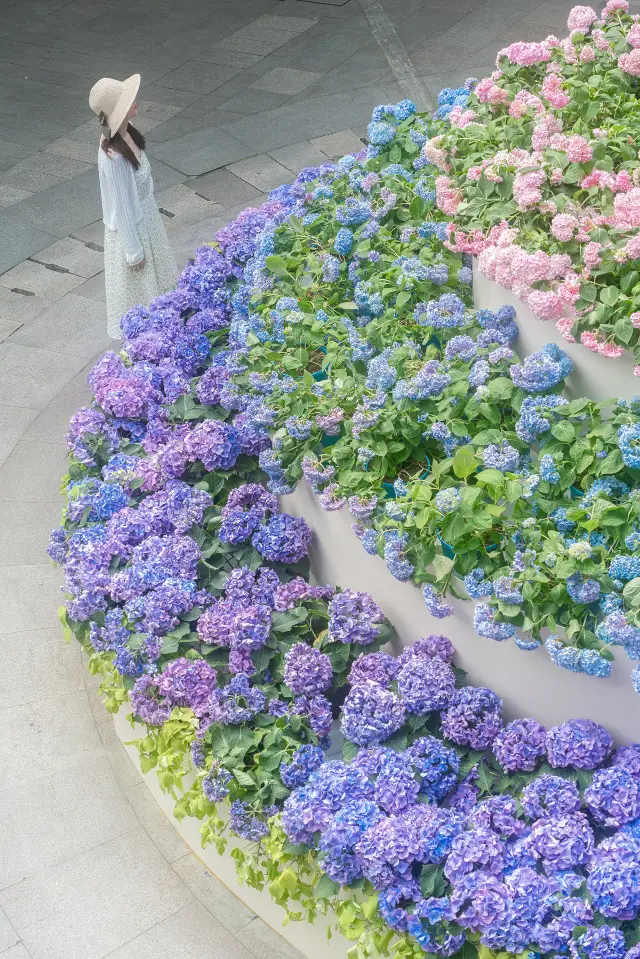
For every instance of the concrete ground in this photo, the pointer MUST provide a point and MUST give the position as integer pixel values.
(236, 98)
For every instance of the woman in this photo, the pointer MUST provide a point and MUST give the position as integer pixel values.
(138, 262)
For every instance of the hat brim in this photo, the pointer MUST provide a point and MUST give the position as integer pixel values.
(129, 93)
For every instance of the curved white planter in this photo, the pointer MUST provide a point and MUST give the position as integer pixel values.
(593, 375)
(311, 941)
(528, 682)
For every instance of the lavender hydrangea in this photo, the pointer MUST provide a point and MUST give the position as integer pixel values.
(371, 714)
(307, 671)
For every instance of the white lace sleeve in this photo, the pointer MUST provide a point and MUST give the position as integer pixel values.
(121, 187)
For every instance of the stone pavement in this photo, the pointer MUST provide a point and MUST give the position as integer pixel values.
(237, 97)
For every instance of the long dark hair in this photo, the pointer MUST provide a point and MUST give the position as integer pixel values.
(117, 143)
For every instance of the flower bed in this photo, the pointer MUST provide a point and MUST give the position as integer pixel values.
(330, 335)
(540, 174)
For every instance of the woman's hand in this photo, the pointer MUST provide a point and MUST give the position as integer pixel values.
(138, 266)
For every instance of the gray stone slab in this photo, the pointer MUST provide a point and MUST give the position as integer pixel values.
(30, 596)
(93, 289)
(96, 902)
(123, 769)
(14, 423)
(287, 81)
(16, 952)
(191, 934)
(199, 76)
(66, 207)
(11, 194)
(201, 151)
(19, 240)
(181, 207)
(94, 233)
(33, 472)
(25, 527)
(73, 150)
(213, 894)
(11, 153)
(74, 325)
(7, 327)
(262, 172)
(276, 128)
(247, 101)
(338, 144)
(8, 935)
(185, 240)
(264, 943)
(17, 308)
(73, 255)
(223, 188)
(177, 127)
(31, 377)
(228, 57)
(51, 165)
(36, 278)
(58, 816)
(298, 156)
(156, 824)
(38, 664)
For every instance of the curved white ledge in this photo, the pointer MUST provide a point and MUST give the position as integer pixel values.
(593, 375)
(528, 682)
(310, 940)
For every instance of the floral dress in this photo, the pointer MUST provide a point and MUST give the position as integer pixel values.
(133, 230)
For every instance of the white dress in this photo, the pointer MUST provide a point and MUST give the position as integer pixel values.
(133, 230)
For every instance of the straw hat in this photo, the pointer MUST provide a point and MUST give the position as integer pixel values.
(111, 100)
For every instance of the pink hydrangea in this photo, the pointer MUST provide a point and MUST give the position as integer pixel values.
(626, 209)
(474, 173)
(633, 37)
(592, 255)
(563, 227)
(546, 128)
(546, 304)
(526, 188)
(630, 63)
(623, 182)
(635, 320)
(526, 54)
(632, 248)
(581, 18)
(578, 149)
(434, 153)
(600, 40)
(636, 371)
(564, 326)
(553, 92)
(570, 52)
(598, 178)
(448, 198)
(523, 101)
(612, 6)
(591, 341)
(461, 118)
(611, 351)
(587, 55)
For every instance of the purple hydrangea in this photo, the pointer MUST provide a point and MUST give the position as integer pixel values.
(305, 760)
(520, 745)
(283, 539)
(377, 668)
(371, 714)
(580, 743)
(354, 618)
(613, 797)
(307, 671)
(473, 718)
(549, 796)
(425, 685)
(432, 647)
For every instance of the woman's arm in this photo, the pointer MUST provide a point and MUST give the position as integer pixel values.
(120, 184)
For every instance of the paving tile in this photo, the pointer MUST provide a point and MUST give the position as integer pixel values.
(25, 527)
(38, 664)
(157, 111)
(213, 894)
(18, 307)
(34, 277)
(63, 208)
(127, 775)
(72, 255)
(19, 240)
(190, 934)
(185, 240)
(283, 80)
(7, 327)
(49, 163)
(274, 129)
(298, 156)
(51, 424)
(93, 233)
(44, 738)
(199, 76)
(265, 34)
(73, 150)
(14, 423)
(201, 151)
(181, 206)
(75, 325)
(51, 819)
(8, 935)
(35, 470)
(249, 100)
(264, 943)
(228, 57)
(31, 377)
(338, 144)
(16, 952)
(11, 153)
(11, 194)
(96, 902)
(155, 823)
(262, 172)
(93, 289)
(30, 596)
